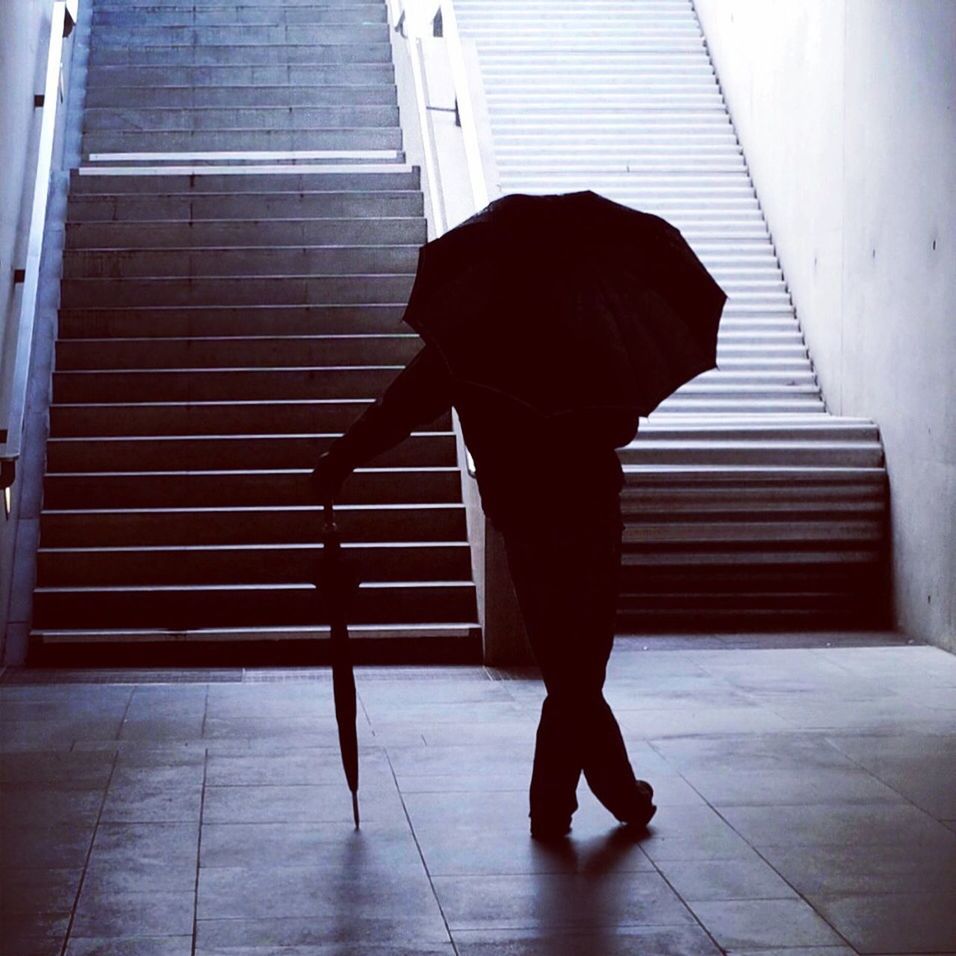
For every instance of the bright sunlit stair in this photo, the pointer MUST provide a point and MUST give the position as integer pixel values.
(746, 502)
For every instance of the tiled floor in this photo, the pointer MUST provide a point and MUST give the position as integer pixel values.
(807, 799)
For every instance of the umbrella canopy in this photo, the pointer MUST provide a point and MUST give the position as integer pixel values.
(567, 303)
(337, 584)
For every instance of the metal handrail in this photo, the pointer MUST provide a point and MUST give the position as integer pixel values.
(432, 176)
(466, 110)
(61, 23)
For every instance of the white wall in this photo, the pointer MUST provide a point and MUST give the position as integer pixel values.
(846, 110)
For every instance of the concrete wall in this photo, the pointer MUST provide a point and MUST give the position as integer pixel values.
(24, 33)
(846, 110)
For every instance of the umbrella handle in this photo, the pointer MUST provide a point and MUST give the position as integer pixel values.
(329, 521)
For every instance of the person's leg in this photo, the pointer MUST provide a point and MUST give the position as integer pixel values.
(566, 580)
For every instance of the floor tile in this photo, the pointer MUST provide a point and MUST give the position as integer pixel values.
(126, 846)
(409, 948)
(305, 844)
(837, 825)
(862, 868)
(552, 901)
(780, 787)
(25, 890)
(650, 941)
(353, 886)
(65, 770)
(321, 803)
(294, 768)
(105, 912)
(758, 924)
(130, 946)
(755, 752)
(54, 845)
(24, 944)
(46, 806)
(693, 833)
(746, 879)
(335, 932)
(509, 850)
(904, 923)
(795, 951)
(149, 802)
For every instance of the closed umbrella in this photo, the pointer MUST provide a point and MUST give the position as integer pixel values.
(336, 586)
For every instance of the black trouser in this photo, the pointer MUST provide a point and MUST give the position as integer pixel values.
(566, 572)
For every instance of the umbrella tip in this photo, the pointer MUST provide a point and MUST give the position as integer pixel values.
(355, 808)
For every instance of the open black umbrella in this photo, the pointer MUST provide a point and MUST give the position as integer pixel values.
(567, 303)
(337, 584)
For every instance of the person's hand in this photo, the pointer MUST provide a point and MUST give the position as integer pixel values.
(327, 479)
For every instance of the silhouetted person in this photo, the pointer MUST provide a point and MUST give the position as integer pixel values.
(553, 492)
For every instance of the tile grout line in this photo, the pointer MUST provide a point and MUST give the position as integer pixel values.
(711, 806)
(89, 849)
(800, 895)
(421, 854)
(684, 902)
(202, 806)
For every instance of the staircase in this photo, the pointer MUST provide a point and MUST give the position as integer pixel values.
(242, 235)
(746, 502)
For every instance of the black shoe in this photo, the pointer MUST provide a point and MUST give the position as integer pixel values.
(643, 809)
(549, 831)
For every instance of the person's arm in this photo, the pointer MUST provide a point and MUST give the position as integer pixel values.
(419, 394)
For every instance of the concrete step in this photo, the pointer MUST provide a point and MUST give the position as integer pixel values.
(149, 6)
(702, 80)
(223, 452)
(247, 606)
(730, 378)
(242, 95)
(541, 115)
(266, 351)
(261, 488)
(244, 564)
(231, 526)
(781, 533)
(234, 14)
(203, 321)
(218, 232)
(213, 76)
(205, 206)
(588, 46)
(213, 418)
(444, 643)
(245, 55)
(719, 405)
(135, 119)
(740, 479)
(230, 260)
(742, 491)
(538, 33)
(858, 453)
(236, 290)
(147, 34)
(763, 428)
(212, 385)
(626, 59)
(213, 140)
(89, 181)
